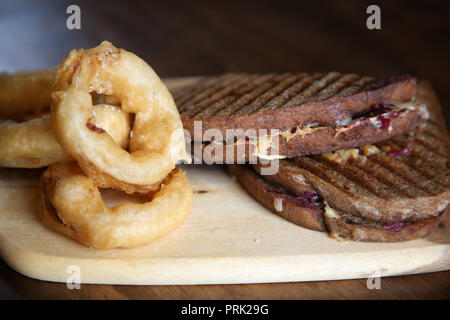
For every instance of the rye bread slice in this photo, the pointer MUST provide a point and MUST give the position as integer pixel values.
(407, 179)
(283, 101)
(308, 211)
(345, 227)
(367, 128)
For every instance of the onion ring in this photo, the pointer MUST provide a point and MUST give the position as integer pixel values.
(32, 144)
(72, 204)
(105, 181)
(156, 139)
(25, 92)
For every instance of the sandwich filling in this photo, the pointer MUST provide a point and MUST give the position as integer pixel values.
(352, 219)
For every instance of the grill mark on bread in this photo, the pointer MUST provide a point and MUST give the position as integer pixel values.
(422, 153)
(247, 99)
(206, 93)
(181, 100)
(183, 95)
(435, 143)
(339, 84)
(320, 86)
(435, 136)
(304, 81)
(362, 179)
(332, 177)
(351, 184)
(428, 168)
(385, 176)
(236, 92)
(436, 148)
(218, 105)
(443, 142)
(194, 93)
(269, 95)
(240, 93)
(205, 107)
(290, 166)
(397, 170)
(417, 162)
(406, 172)
(315, 87)
(411, 184)
(354, 87)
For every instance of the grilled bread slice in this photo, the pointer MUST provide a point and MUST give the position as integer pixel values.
(395, 190)
(312, 113)
(283, 101)
(307, 209)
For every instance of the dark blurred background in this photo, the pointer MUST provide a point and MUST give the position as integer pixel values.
(187, 38)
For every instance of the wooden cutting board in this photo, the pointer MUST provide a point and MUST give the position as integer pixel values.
(227, 238)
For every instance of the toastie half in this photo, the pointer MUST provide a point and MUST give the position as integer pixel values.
(394, 190)
(240, 115)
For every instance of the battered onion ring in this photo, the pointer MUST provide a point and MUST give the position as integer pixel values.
(102, 180)
(25, 92)
(71, 204)
(157, 139)
(32, 144)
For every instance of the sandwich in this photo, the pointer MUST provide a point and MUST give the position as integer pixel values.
(386, 191)
(235, 118)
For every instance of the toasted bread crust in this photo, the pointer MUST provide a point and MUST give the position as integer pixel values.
(340, 228)
(288, 177)
(283, 101)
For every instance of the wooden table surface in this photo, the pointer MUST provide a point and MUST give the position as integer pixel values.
(197, 38)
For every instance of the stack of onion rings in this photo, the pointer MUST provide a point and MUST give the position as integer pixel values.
(108, 152)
